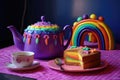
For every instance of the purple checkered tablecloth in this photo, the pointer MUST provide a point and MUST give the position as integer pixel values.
(111, 72)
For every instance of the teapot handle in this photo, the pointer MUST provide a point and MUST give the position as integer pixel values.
(67, 27)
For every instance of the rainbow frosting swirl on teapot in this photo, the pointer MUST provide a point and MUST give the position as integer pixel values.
(42, 27)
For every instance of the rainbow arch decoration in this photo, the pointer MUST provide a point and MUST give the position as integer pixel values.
(91, 25)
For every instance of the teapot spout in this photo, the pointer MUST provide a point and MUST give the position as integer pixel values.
(17, 37)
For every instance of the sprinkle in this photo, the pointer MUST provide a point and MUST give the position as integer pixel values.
(46, 39)
(73, 47)
(55, 39)
(29, 39)
(37, 36)
(86, 48)
(37, 40)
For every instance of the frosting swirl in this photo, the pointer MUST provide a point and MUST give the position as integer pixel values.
(43, 26)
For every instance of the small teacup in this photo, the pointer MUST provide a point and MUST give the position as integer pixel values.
(22, 58)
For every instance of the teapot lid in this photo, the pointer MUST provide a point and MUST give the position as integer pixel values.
(42, 27)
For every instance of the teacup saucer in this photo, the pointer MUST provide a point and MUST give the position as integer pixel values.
(13, 67)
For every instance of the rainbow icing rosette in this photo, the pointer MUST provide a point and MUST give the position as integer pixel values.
(90, 25)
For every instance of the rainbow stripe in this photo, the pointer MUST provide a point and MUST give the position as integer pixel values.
(98, 28)
(42, 28)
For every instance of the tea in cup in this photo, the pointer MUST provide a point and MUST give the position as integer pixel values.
(22, 58)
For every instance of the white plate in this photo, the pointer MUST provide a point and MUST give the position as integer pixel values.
(69, 68)
(13, 67)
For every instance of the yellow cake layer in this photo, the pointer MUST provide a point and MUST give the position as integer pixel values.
(70, 61)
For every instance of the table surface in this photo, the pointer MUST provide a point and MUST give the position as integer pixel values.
(111, 72)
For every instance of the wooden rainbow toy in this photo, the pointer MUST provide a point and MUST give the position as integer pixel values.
(96, 27)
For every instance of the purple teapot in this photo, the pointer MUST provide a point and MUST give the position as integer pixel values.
(43, 38)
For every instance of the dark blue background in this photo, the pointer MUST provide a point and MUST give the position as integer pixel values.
(65, 12)
(61, 12)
